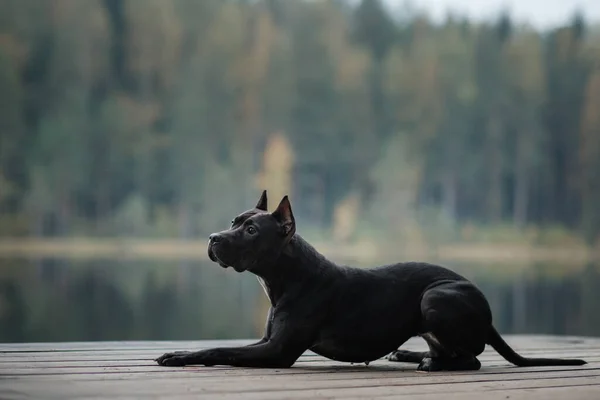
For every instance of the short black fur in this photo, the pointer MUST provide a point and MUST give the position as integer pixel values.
(349, 314)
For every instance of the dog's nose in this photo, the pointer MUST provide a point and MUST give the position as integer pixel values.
(214, 238)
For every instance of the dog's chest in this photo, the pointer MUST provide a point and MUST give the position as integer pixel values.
(265, 288)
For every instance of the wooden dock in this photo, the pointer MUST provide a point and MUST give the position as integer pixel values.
(125, 370)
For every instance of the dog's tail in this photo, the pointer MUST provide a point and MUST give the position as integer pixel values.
(496, 341)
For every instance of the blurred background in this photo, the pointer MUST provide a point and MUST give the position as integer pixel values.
(459, 132)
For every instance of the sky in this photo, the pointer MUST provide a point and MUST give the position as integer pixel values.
(539, 13)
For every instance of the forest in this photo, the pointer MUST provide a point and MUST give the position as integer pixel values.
(155, 118)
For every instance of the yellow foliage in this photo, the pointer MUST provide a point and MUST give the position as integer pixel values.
(15, 51)
(590, 124)
(345, 217)
(351, 63)
(525, 53)
(276, 173)
(276, 178)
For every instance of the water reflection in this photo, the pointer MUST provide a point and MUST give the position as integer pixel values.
(66, 300)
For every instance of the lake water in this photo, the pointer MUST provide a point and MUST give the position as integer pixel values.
(73, 300)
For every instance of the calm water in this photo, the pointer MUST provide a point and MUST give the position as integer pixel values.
(66, 300)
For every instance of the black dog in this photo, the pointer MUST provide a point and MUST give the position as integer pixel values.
(349, 314)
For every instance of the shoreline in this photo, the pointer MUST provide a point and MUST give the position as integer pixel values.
(177, 249)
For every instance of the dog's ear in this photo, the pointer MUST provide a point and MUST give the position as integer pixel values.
(262, 202)
(283, 214)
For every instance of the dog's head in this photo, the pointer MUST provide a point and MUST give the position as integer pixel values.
(255, 238)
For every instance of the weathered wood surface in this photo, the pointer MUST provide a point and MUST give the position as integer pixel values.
(125, 370)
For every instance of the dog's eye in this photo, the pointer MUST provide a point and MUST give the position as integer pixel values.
(251, 230)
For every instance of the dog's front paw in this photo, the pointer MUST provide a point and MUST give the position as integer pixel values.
(175, 359)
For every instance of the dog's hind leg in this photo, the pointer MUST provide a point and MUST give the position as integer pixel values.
(456, 318)
(441, 358)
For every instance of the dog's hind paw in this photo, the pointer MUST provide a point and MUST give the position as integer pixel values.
(449, 364)
(428, 365)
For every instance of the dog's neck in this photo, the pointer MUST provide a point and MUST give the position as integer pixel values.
(298, 264)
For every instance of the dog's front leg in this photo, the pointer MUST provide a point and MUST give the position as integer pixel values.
(285, 340)
(269, 354)
(267, 333)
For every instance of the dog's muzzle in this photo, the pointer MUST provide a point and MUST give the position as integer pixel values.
(211, 253)
(212, 240)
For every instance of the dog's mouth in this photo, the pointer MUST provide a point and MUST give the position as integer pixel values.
(211, 253)
(214, 258)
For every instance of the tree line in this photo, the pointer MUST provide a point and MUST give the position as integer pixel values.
(154, 117)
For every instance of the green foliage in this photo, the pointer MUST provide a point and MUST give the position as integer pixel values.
(151, 118)
(396, 177)
(131, 219)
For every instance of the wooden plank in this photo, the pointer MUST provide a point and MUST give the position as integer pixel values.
(357, 377)
(234, 377)
(570, 351)
(489, 354)
(316, 365)
(591, 392)
(289, 389)
(30, 367)
(12, 363)
(577, 393)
